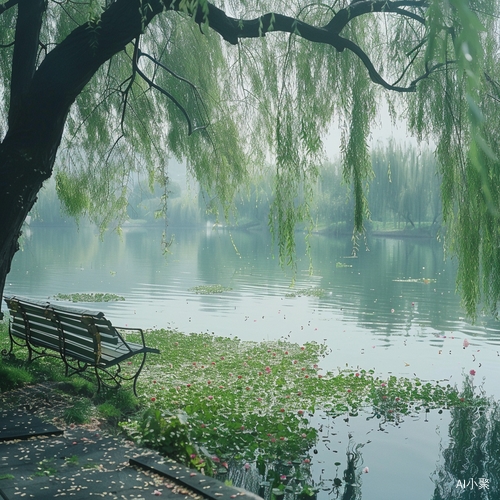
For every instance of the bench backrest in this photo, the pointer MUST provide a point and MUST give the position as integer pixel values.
(72, 332)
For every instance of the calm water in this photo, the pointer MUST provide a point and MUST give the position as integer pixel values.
(374, 315)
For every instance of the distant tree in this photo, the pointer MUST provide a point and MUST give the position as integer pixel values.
(110, 87)
(405, 186)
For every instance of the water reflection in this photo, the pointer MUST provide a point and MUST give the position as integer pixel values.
(468, 468)
(471, 461)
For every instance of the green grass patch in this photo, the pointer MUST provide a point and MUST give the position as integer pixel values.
(79, 413)
(13, 377)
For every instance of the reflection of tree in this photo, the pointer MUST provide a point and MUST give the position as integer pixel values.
(352, 474)
(472, 455)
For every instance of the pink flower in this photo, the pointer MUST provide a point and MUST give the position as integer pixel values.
(304, 435)
(157, 493)
(366, 470)
(466, 343)
(210, 397)
(472, 372)
(193, 456)
(282, 477)
(247, 466)
(153, 399)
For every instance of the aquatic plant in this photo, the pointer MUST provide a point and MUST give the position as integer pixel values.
(246, 399)
(89, 297)
(209, 289)
(306, 292)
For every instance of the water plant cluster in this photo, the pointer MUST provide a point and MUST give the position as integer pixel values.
(209, 289)
(306, 292)
(89, 297)
(244, 400)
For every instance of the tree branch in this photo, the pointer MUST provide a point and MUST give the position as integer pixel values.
(360, 8)
(232, 29)
(137, 55)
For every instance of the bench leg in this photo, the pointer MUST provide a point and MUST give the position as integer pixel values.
(136, 376)
(9, 353)
(98, 379)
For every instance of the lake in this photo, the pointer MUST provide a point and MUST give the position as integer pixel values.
(392, 308)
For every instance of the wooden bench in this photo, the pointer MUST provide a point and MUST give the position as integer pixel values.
(82, 339)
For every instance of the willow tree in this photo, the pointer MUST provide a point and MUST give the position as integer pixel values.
(103, 90)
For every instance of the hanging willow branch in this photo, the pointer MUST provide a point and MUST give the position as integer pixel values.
(137, 55)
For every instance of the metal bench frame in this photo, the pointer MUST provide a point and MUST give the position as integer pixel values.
(81, 338)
